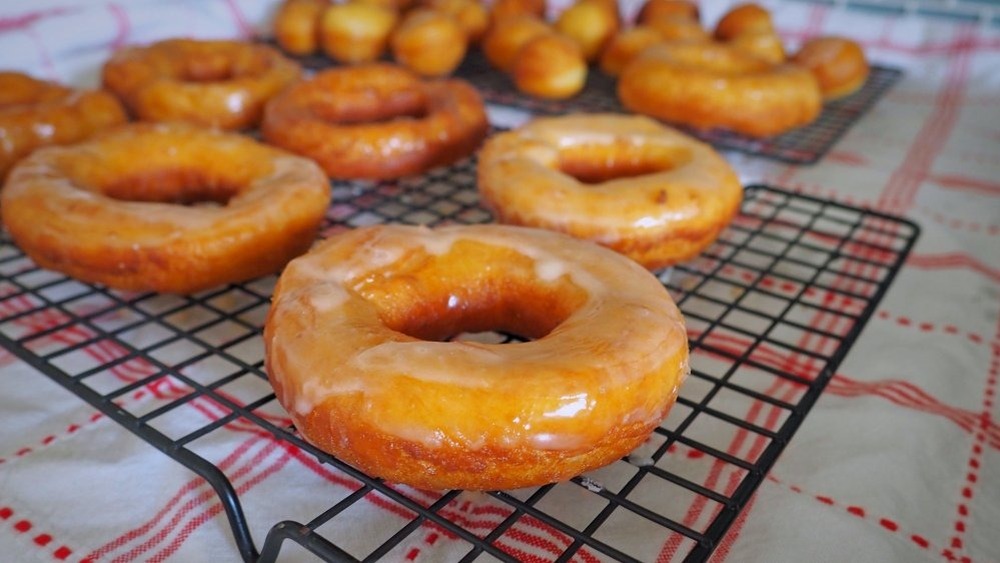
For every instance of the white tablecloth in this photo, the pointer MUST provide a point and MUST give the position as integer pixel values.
(898, 461)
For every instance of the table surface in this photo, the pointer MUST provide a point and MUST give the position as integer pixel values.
(898, 460)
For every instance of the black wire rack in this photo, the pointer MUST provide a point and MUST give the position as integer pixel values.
(804, 145)
(772, 308)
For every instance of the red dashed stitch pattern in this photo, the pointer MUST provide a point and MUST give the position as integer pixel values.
(71, 429)
(975, 457)
(41, 539)
(925, 326)
(884, 522)
(958, 223)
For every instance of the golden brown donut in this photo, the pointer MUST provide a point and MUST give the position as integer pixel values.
(591, 23)
(296, 25)
(708, 85)
(655, 9)
(355, 350)
(36, 113)
(357, 32)
(220, 84)
(504, 38)
(624, 47)
(376, 121)
(164, 207)
(625, 182)
(744, 18)
(550, 66)
(429, 42)
(838, 63)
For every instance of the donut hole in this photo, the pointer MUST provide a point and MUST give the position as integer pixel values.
(466, 292)
(228, 64)
(597, 163)
(177, 186)
(166, 168)
(372, 114)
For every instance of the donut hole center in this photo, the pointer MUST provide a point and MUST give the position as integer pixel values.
(402, 105)
(598, 163)
(474, 294)
(188, 187)
(170, 168)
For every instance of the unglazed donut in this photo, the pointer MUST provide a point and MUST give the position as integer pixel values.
(550, 66)
(220, 84)
(429, 42)
(625, 182)
(376, 121)
(169, 208)
(708, 85)
(296, 25)
(354, 350)
(838, 63)
(357, 32)
(36, 113)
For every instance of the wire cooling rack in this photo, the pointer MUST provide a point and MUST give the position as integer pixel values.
(771, 309)
(804, 145)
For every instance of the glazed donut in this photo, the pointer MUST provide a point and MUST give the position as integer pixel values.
(429, 42)
(505, 38)
(35, 113)
(591, 23)
(164, 207)
(220, 84)
(356, 32)
(376, 121)
(706, 85)
(550, 66)
(355, 350)
(296, 25)
(625, 182)
(744, 18)
(839, 64)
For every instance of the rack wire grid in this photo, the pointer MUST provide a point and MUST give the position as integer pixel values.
(771, 308)
(803, 145)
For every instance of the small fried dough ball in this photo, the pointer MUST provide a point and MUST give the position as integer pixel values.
(296, 25)
(655, 9)
(503, 40)
(429, 42)
(550, 66)
(591, 23)
(625, 46)
(356, 32)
